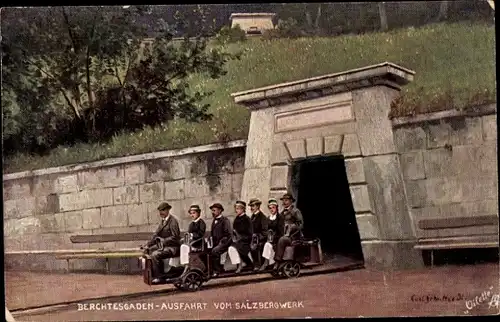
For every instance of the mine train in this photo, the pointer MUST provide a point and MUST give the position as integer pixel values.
(193, 267)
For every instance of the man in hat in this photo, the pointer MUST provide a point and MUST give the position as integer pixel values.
(293, 226)
(259, 224)
(168, 230)
(243, 230)
(221, 233)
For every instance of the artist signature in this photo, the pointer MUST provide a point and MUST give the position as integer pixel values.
(487, 296)
(437, 298)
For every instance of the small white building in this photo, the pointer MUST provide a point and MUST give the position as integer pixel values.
(253, 23)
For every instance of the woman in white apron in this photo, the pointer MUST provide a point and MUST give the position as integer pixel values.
(196, 232)
(276, 228)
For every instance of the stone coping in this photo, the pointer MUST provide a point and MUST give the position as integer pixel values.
(127, 159)
(354, 78)
(252, 14)
(468, 112)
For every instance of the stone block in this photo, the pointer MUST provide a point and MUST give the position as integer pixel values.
(56, 241)
(374, 128)
(114, 216)
(350, 146)
(19, 208)
(314, 146)
(441, 191)
(44, 185)
(387, 193)
(476, 188)
(355, 170)
(438, 135)
(17, 189)
(166, 169)
(124, 265)
(197, 165)
(438, 163)
(368, 227)
(239, 164)
(458, 232)
(22, 226)
(91, 218)
(416, 193)
(466, 131)
(279, 154)
(150, 192)
(412, 165)
(66, 183)
(73, 201)
(489, 127)
(391, 255)
(237, 182)
(87, 265)
(333, 144)
(219, 183)
(360, 198)
(256, 184)
(280, 177)
(126, 195)
(52, 223)
(47, 204)
(99, 198)
(107, 177)
(297, 149)
(409, 138)
(488, 158)
(174, 190)
(135, 173)
(73, 221)
(196, 187)
(137, 214)
(259, 142)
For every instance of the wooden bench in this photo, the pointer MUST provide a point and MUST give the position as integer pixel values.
(460, 242)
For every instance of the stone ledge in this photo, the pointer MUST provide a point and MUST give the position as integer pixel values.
(469, 112)
(124, 160)
(385, 73)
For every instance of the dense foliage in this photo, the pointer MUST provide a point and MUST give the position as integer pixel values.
(80, 74)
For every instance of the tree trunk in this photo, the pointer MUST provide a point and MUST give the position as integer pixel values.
(383, 16)
(443, 11)
(318, 16)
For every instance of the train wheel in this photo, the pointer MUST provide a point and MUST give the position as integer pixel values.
(291, 269)
(192, 281)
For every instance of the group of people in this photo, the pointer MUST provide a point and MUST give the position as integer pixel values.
(263, 238)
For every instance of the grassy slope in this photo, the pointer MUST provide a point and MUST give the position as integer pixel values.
(454, 64)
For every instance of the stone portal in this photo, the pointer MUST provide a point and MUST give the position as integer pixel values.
(338, 114)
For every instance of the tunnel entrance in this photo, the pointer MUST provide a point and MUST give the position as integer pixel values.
(324, 198)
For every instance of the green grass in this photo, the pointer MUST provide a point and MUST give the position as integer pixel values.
(454, 65)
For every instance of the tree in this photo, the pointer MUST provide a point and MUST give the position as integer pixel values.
(383, 16)
(85, 66)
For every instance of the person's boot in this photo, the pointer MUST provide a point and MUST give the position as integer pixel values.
(264, 265)
(276, 265)
(239, 267)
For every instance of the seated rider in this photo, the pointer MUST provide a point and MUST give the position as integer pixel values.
(276, 229)
(197, 227)
(242, 232)
(168, 230)
(294, 223)
(196, 233)
(221, 234)
(260, 227)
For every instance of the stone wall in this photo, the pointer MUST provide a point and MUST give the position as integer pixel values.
(449, 163)
(43, 208)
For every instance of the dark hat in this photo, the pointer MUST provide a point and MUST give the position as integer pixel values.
(288, 196)
(254, 201)
(164, 206)
(195, 208)
(241, 203)
(217, 205)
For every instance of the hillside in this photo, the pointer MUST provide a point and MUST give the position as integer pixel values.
(454, 65)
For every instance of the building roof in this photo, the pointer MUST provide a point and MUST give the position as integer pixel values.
(254, 14)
